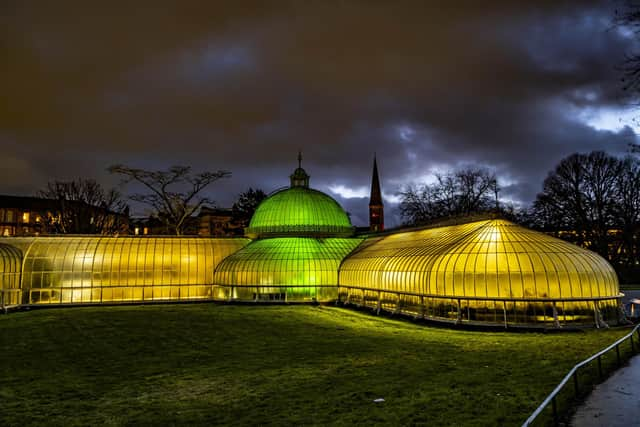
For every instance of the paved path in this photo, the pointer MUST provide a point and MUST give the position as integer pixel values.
(615, 402)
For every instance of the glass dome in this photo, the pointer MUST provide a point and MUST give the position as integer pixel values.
(299, 211)
(486, 259)
(489, 271)
(285, 268)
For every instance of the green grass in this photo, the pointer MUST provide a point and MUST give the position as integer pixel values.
(210, 364)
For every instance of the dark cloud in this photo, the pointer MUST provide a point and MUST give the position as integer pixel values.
(244, 86)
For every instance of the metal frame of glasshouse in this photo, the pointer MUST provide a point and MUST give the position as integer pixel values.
(285, 268)
(79, 270)
(486, 271)
(489, 271)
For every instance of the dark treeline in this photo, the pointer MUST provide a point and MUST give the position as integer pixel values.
(593, 200)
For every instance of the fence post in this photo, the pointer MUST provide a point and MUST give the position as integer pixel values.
(379, 307)
(556, 321)
(504, 313)
(398, 305)
(618, 353)
(575, 383)
(554, 407)
(600, 367)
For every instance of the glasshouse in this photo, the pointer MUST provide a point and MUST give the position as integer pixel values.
(300, 246)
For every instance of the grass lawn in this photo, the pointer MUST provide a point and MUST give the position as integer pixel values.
(209, 364)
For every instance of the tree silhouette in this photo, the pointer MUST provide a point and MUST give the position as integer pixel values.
(246, 205)
(84, 207)
(463, 192)
(175, 193)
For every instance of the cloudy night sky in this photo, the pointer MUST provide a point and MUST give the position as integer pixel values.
(243, 86)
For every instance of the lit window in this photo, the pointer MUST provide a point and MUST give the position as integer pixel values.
(25, 217)
(136, 231)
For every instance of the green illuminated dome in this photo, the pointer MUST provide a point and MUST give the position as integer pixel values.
(299, 211)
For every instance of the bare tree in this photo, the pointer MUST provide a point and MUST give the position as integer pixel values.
(174, 193)
(84, 207)
(628, 17)
(463, 192)
(627, 213)
(581, 195)
(419, 204)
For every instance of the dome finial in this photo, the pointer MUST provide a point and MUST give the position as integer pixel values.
(299, 178)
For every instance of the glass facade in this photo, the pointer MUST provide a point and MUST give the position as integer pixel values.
(476, 266)
(286, 268)
(486, 271)
(108, 269)
(10, 268)
(299, 211)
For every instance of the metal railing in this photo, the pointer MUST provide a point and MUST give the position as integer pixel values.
(506, 311)
(573, 374)
(10, 298)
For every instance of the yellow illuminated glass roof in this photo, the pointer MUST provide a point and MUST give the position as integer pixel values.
(10, 265)
(493, 258)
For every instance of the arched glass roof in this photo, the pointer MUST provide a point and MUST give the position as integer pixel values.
(299, 211)
(103, 269)
(10, 268)
(303, 263)
(487, 259)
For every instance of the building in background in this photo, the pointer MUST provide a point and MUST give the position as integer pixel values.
(34, 216)
(219, 222)
(23, 216)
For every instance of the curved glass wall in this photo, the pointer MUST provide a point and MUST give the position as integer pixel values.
(299, 210)
(108, 269)
(286, 268)
(10, 268)
(481, 264)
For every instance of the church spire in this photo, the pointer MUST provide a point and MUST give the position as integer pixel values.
(376, 207)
